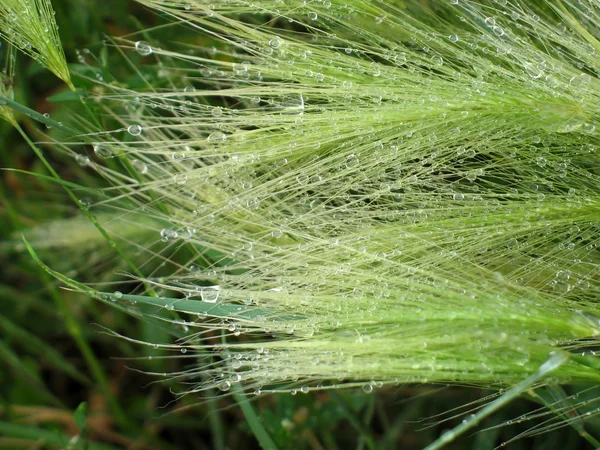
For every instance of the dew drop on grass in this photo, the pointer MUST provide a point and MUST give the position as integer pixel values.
(589, 128)
(140, 166)
(453, 38)
(224, 386)
(313, 15)
(241, 69)
(367, 388)
(533, 71)
(352, 160)
(143, 48)
(118, 295)
(400, 59)
(437, 60)
(167, 234)
(302, 179)
(490, 21)
(498, 31)
(82, 160)
(217, 112)
(217, 136)
(134, 130)
(275, 42)
(210, 294)
(102, 151)
(294, 106)
(180, 179)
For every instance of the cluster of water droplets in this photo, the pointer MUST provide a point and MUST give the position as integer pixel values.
(418, 197)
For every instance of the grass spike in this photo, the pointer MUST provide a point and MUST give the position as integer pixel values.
(370, 194)
(30, 26)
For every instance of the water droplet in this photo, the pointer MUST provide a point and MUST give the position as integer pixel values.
(118, 294)
(167, 234)
(210, 294)
(140, 166)
(498, 31)
(275, 42)
(180, 178)
(224, 386)
(589, 128)
(367, 388)
(437, 60)
(533, 71)
(134, 130)
(102, 151)
(490, 21)
(453, 38)
(352, 160)
(217, 136)
(143, 48)
(312, 15)
(82, 160)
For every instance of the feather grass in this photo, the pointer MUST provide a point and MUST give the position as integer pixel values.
(366, 193)
(421, 192)
(30, 26)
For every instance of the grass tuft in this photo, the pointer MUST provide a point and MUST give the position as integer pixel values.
(357, 194)
(30, 26)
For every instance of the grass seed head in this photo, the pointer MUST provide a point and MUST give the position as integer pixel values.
(373, 193)
(30, 26)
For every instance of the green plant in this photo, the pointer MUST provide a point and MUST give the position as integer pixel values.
(357, 193)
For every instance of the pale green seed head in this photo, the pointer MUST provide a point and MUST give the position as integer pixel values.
(394, 193)
(30, 26)
(6, 86)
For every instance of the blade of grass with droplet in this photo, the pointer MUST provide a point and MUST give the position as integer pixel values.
(554, 362)
(564, 408)
(254, 422)
(224, 310)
